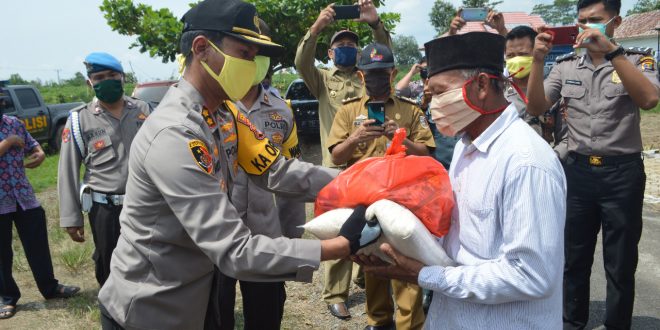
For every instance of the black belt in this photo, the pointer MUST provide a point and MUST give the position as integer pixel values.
(604, 160)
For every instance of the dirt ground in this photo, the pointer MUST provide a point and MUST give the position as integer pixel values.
(304, 308)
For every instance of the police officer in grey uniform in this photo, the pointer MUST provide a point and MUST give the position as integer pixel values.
(603, 90)
(98, 135)
(263, 212)
(178, 220)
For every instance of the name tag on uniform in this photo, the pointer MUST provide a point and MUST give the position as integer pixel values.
(573, 82)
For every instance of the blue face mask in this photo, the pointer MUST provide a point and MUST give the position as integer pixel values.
(345, 56)
(602, 27)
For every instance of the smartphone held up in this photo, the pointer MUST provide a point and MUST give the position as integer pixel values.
(346, 12)
(376, 111)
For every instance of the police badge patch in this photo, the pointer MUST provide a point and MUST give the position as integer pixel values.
(423, 122)
(66, 135)
(201, 155)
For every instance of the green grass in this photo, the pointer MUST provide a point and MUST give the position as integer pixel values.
(76, 256)
(72, 93)
(44, 176)
(655, 110)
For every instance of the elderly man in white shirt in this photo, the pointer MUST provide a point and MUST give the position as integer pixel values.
(507, 229)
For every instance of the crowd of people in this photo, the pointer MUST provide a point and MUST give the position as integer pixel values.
(208, 189)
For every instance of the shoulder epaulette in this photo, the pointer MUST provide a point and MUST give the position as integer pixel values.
(639, 50)
(350, 99)
(275, 95)
(80, 107)
(406, 99)
(569, 56)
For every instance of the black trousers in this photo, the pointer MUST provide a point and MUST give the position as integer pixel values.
(104, 220)
(263, 304)
(610, 197)
(31, 227)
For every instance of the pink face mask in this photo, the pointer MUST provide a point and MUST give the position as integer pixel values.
(452, 111)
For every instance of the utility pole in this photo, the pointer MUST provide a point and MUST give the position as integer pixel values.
(58, 75)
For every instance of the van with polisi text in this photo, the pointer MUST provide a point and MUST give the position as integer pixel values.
(44, 122)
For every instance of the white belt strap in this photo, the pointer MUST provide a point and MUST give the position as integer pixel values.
(104, 198)
(77, 134)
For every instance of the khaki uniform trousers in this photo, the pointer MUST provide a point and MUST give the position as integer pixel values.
(337, 279)
(380, 307)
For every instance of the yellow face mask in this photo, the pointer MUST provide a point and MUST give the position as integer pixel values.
(519, 66)
(236, 76)
(263, 63)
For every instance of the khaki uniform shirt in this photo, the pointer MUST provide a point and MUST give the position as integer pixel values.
(178, 221)
(107, 142)
(330, 86)
(602, 118)
(403, 111)
(262, 211)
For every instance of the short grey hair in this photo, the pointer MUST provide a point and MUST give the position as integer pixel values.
(498, 84)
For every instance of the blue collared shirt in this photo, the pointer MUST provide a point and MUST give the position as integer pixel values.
(506, 235)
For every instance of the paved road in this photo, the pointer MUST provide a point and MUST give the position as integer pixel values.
(647, 298)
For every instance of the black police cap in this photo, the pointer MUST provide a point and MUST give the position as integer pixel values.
(473, 50)
(231, 17)
(376, 56)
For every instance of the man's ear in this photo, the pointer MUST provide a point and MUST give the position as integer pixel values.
(89, 83)
(361, 75)
(393, 75)
(200, 46)
(331, 54)
(483, 86)
(617, 22)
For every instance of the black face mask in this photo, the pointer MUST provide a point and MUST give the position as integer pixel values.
(424, 74)
(377, 83)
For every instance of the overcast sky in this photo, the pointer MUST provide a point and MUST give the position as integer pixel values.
(41, 37)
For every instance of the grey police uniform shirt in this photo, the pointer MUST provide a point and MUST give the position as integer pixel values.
(533, 121)
(177, 221)
(602, 118)
(263, 212)
(107, 141)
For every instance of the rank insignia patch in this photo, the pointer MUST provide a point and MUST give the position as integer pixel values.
(98, 145)
(66, 135)
(277, 138)
(201, 155)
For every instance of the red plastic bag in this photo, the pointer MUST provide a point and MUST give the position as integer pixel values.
(419, 183)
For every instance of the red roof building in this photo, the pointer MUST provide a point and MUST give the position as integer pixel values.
(511, 19)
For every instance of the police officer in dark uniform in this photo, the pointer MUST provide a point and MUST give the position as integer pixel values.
(603, 90)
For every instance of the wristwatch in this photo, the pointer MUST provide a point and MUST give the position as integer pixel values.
(615, 53)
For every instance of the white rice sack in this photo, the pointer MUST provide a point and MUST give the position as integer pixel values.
(406, 233)
(401, 228)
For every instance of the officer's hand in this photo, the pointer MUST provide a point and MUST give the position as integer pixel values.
(77, 234)
(404, 268)
(326, 17)
(366, 132)
(495, 20)
(457, 23)
(368, 13)
(358, 231)
(594, 41)
(16, 141)
(390, 128)
(542, 44)
(35, 159)
(416, 68)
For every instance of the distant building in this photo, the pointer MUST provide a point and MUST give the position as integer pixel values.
(639, 30)
(511, 19)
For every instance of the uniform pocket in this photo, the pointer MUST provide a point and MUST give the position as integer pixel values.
(100, 151)
(614, 90)
(575, 92)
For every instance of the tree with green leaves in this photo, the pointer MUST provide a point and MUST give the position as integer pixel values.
(643, 6)
(560, 12)
(406, 50)
(158, 30)
(441, 15)
(16, 79)
(480, 3)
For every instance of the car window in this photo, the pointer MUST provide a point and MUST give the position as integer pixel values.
(151, 94)
(299, 91)
(6, 105)
(27, 98)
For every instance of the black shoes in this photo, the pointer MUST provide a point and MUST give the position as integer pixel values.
(339, 310)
